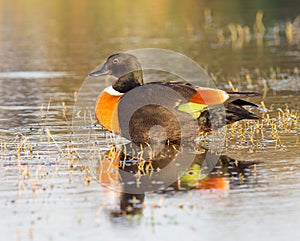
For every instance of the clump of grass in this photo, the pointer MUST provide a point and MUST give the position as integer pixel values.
(292, 31)
(35, 154)
(263, 81)
(265, 134)
(238, 35)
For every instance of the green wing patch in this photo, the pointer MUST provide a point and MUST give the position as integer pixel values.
(194, 109)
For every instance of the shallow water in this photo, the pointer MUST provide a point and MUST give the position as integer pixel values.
(48, 182)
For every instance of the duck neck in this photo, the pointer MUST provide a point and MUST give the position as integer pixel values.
(129, 81)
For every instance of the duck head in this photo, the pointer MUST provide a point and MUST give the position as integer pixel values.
(125, 67)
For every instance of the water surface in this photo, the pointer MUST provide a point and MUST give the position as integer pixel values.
(47, 49)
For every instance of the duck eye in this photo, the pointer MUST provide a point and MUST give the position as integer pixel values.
(116, 61)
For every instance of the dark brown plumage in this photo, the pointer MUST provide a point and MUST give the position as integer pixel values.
(163, 111)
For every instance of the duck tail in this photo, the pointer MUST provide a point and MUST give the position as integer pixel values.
(235, 112)
(234, 107)
(231, 111)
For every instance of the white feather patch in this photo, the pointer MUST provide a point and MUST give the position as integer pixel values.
(110, 90)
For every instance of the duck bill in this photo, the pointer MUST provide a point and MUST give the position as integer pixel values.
(102, 71)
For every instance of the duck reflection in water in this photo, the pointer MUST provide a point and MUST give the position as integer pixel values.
(138, 173)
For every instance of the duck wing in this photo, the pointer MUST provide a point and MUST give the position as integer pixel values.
(213, 108)
(195, 99)
(196, 94)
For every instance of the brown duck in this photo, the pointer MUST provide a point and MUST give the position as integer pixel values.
(164, 110)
